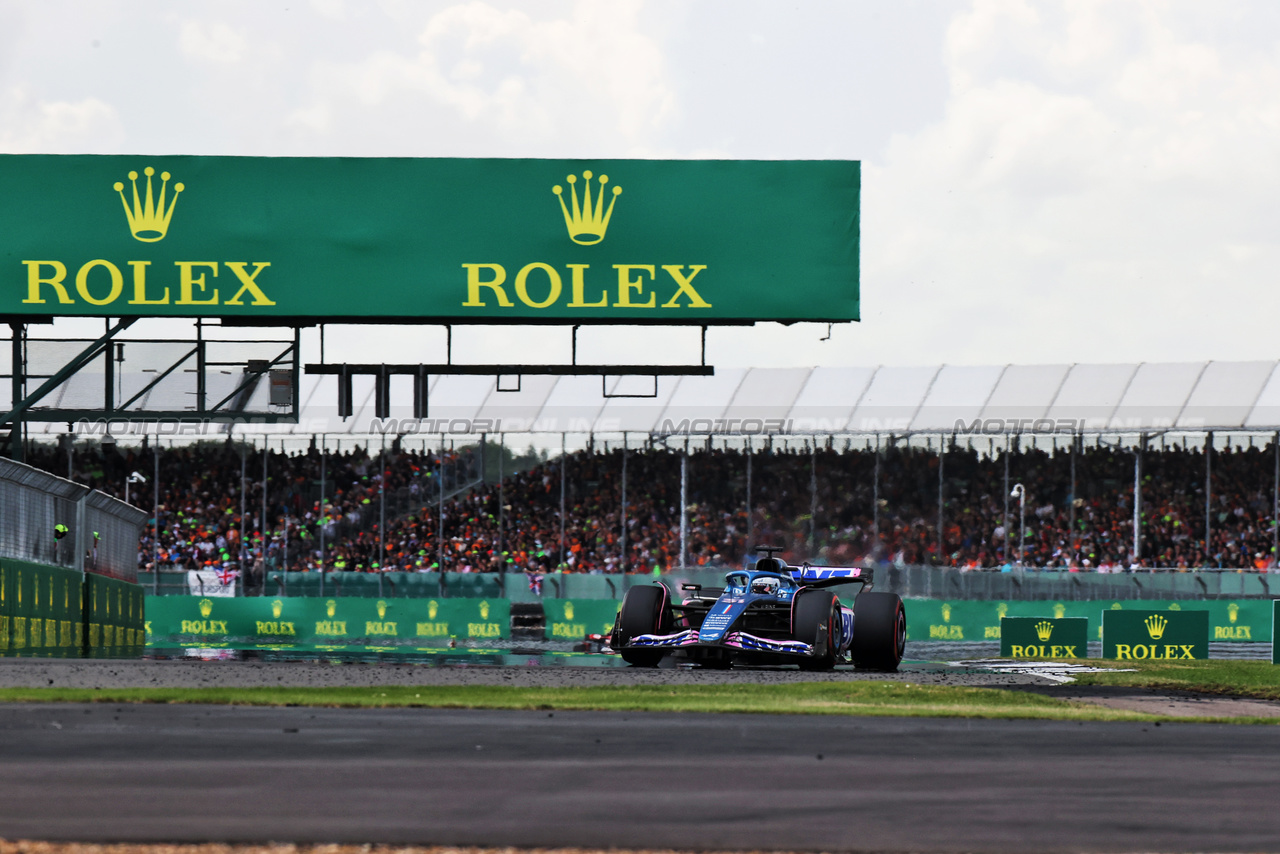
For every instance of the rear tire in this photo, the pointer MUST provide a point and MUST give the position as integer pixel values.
(644, 611)
(812, 610)
(879, 631)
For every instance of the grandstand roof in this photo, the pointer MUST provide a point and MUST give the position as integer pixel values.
(1186, 396)
(941, 399)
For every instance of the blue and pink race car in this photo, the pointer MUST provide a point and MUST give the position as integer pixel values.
(770, 614)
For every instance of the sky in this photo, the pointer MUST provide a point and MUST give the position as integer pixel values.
(1043, 182)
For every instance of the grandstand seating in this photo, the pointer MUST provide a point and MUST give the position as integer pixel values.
(1085, 528)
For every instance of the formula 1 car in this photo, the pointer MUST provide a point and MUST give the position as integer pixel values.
(772, 614)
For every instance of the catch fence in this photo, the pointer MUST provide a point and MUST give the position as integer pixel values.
(914, 582)
(52, 521)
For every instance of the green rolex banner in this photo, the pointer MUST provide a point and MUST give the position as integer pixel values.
(1245, 620)
(1155, 635)
(439, 239)
(1044, 637)
(321, 623)
(574, 619)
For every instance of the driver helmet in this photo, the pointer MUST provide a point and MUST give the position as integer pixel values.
(764, 585)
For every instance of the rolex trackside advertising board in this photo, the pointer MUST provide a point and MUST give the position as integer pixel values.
(1162, 635)
(462, 240)
(1044, 637)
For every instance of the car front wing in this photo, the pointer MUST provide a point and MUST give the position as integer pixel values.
(733, 640)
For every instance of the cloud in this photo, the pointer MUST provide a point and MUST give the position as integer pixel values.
(213, 42)
(588, 78)
(1103, 185)
(32, 126)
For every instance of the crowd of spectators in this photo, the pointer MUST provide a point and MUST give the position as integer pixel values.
(828, 505)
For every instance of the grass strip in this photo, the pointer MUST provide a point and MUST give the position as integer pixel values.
(814, 698)
(1222, 677)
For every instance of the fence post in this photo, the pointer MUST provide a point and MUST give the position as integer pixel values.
(81, 524)
(155, 521)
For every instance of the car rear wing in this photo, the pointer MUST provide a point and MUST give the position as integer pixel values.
(830, 576)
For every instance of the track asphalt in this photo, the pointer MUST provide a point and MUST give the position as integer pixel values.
(199, 773)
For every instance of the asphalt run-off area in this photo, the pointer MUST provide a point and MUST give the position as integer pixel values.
(175, 773)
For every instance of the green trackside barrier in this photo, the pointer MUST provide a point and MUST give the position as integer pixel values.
(114, 617)
(574, 619)
(1155, 635)
(1044, 637)
(966, 620)
(49, 611)
(333, 623)
(1275, 653)
(39, 606)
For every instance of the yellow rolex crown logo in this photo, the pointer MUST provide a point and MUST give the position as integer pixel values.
(1233, 612)
(206, 607)
(382, 609)
(1059, 611)
(149, 220)
(946, 613)
(330, 607)
(1044, 630)
(484, 610)
(568, 610)
(433, 608)
(1155, 626)
(587, 222)
(1002, 610)
(277, 607)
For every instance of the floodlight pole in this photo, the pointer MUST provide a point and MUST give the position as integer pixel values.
(813, 493)
(942, 460)
(1275, 507)
(284, 559)
(1006, 500)
(155, 521)
(684, 505)
(1021, 492)
(502, 513)
(440, 514)
(321, 518)
(382, 509)
(750, 520)
(1137, 498)
(265, 445)
(875, 497)
(1208, 495)
(1072, 499)
(563, 463)
(284, 555)
(622, 528)
(244, 462)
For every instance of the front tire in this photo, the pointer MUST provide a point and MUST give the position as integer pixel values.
(812, 610)
(644, 611)
(879, 631)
